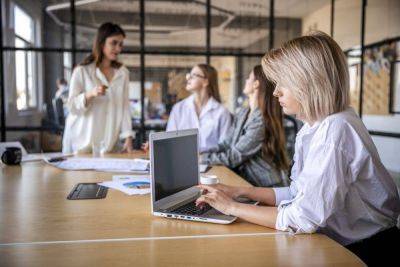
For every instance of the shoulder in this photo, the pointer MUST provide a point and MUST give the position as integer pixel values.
(180, 105)
(124, 70)
(342, 130)
(84, 69)
(219, 109)
(242, 111)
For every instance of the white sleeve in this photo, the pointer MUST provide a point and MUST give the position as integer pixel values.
(281, 193)
(322, 194)
(172, 123)
(76, 98)
(225, 124)
(126, 125)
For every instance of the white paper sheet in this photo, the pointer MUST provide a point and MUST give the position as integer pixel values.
(44, 156)
(203, 168)
(103, 164)
(129, 184)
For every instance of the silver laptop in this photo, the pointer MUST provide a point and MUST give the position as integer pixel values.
(174, 172)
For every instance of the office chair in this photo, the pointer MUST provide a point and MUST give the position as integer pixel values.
(58, 110)
(291, 127)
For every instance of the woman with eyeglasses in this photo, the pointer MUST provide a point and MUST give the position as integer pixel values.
(98, 98)
(254, 147)
(203, 109)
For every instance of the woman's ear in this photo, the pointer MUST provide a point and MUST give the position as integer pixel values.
(205, 83)
(256, 85)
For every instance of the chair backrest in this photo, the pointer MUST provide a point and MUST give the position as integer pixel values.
(291, 127)
(58, 109)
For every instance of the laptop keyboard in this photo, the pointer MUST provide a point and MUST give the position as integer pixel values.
(191, 209)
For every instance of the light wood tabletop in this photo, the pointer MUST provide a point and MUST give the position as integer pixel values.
(40, 227)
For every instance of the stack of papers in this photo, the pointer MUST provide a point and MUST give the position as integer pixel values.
(103, 164)
(129, 184)
(44, 156)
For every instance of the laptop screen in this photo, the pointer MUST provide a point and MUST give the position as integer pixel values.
(175, 165)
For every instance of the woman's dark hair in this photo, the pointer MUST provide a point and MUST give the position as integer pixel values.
(274, 146)
(211, 75)
(106, 30)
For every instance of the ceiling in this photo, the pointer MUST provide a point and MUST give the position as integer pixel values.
(234, 24)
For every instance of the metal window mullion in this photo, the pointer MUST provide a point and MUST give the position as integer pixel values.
(142, 131)
(208, 31)
(271, 24)
(73, 32)
(2, 89)
(26, 80)
(332, 17)
(363, 11)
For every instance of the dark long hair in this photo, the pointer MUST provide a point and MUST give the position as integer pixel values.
(211, 75)
(274, 146)
(106, 30)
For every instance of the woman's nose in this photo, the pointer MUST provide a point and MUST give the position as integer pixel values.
(276, 93)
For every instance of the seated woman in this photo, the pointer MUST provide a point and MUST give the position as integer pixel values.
(339, 185)
(255, 145)
(203, 109)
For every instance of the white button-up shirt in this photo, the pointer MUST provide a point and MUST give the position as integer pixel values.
(213, 122)
(104, 118)
(339, 185)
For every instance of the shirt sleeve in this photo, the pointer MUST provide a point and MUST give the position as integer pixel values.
(322, 194)
(222, 145)
(248, 144)
(172, 125)
(126, 124)
(76, 99)
(281, 193)
(225, 124)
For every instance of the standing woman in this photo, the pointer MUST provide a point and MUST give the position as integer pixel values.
(255, 145)
(203, 109)
(98, 99)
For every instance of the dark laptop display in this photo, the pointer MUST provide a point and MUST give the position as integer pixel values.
(175, 165)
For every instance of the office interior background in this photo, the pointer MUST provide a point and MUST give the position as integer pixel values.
(42, 41)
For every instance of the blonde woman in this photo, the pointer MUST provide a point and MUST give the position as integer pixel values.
(339, 186)
(203, 109)
(98, 97)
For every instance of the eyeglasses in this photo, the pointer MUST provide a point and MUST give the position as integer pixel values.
(192, 75)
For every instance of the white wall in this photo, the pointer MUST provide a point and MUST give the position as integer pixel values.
(382, 21)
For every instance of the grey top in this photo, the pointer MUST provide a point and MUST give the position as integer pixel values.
(241, 150)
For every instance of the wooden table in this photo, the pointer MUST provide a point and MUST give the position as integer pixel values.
(40, 227)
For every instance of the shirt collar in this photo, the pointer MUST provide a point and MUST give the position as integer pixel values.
(102, 78)
(210, 105)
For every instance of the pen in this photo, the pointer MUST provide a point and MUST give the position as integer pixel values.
(56, 159)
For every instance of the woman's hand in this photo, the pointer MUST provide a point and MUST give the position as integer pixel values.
(217, 199)
(128, 148)
(97, 91)
(231, 191)
(145, 146)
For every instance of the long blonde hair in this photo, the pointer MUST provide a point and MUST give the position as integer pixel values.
(315, 69)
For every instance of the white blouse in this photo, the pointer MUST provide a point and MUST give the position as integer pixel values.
(213, 122)
(339, 185)
(104, 118)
